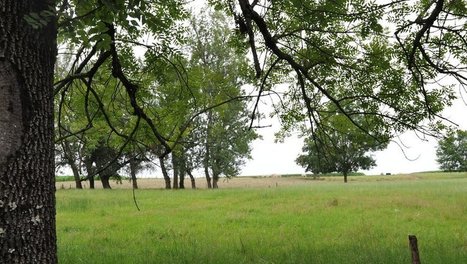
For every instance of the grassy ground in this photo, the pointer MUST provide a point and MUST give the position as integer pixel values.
(365, 221)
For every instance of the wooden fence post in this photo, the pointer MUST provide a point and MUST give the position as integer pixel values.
(414, 249)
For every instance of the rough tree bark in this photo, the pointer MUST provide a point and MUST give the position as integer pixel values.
(27, 184)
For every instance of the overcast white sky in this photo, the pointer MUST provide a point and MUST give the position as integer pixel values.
(416, 155)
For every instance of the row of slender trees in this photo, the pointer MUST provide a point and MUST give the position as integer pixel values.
(195, 98)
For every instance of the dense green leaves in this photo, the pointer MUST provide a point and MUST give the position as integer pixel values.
(220, 73)
(379, 65)
(371, 54)
(112, 46)
(337, 145)
(167, 99)
(452, 151)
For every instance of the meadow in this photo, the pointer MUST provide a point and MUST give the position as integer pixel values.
(365, 221)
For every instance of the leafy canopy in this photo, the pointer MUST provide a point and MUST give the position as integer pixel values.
(388, 58)
(338, 146)
(452, 151)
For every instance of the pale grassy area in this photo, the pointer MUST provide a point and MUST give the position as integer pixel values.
(250, 220)
(237, 182)
(264, 181)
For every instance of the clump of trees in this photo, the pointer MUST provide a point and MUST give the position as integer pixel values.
(339, 146)
(196, 102)
(452, 151)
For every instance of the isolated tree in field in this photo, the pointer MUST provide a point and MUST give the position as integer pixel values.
(27, 186)
(338, 146)
(452, 151)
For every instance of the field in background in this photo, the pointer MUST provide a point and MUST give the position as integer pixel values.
(261, 181)
(275, 220)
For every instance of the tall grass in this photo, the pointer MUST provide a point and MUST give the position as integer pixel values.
(331, 222)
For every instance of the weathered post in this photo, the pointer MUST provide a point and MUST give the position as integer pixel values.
(414, 249)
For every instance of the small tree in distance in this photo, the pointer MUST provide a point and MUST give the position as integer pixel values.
(452, 151)
(338, 146)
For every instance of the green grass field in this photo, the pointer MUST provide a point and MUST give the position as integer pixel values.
(365, 221)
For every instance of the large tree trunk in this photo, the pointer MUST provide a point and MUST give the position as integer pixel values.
(345, 176)
(165, 173)
(105, 179)
(27, 183)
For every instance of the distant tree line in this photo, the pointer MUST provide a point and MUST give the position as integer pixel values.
(195, 99)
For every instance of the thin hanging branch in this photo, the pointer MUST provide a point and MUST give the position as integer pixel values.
(131, 90)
